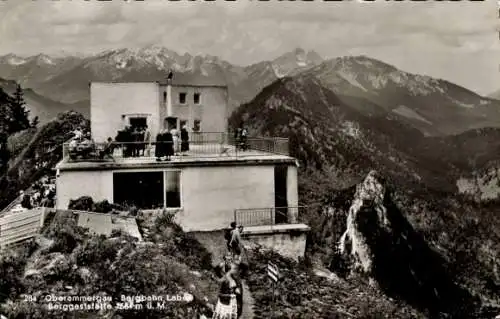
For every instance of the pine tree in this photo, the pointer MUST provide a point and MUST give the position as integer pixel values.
(19, 112)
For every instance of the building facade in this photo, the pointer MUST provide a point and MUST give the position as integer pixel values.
(113, 106)
(204, 196)
(205, 185)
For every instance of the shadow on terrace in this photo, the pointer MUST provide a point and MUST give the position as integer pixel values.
(201, 145)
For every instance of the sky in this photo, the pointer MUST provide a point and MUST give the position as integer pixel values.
(456, 41)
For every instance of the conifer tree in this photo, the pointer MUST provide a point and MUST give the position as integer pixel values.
(19, 112)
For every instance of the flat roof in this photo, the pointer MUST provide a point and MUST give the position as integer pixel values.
(203, 83)
(176, 162)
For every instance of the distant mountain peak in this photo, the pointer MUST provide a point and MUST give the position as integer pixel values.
(294, 61)
(13, 59)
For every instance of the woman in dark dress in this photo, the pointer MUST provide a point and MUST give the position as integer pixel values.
(160, 146)
(227, 304)
(184, 139)
(168, 142)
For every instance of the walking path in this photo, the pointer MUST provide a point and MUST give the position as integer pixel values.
(214, 242)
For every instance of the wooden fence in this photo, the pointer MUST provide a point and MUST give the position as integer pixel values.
(21, 226)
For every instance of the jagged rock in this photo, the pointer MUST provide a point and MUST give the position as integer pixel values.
(381, 243)
(353, 241)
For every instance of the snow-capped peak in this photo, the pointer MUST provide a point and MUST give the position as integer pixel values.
(13, 59)
(44, 59)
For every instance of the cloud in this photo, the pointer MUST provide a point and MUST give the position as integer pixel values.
(407, 34)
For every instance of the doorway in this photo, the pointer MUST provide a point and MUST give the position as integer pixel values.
(171, 123)
(138, 122)
(280, 193)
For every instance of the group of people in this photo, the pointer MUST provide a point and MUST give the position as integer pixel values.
(81, 143)
(137, 141)
(41, 194)
(170, 143)
(231, 270)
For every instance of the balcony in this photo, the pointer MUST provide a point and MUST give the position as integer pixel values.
(276, 228)
(269, 216)
(200, 146)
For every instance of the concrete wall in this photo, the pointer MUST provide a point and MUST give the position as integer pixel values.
(109, 101)
(211, 194)
(212, 110)
(74, 184)
(289, 244)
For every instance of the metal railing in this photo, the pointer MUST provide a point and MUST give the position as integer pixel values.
(269, 216)
(200, 145)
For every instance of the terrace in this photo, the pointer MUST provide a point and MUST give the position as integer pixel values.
(202, 147)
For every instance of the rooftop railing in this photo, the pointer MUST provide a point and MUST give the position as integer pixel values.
(200, 145)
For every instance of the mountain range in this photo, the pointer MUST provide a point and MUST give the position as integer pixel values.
(433, 106)
(330, 133)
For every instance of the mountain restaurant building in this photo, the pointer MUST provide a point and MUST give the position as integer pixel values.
(214, 182)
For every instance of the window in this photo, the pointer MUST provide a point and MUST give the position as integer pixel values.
(197, 126)
(142, 189)
(196, 98)
(172, 189)
(182, 98)
(148, 190)
(182, 123)
(164, 97)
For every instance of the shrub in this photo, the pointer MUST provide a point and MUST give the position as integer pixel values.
(102, 207)
(84, 203)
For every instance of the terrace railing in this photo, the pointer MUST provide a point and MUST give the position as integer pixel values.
(269, 216)
(201, 145)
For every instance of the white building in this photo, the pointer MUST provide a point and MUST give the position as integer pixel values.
(158, 105)
(208, 186)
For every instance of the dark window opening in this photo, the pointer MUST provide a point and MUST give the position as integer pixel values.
(280, 193)
(196, 98)
(171, 123)
(164, 97)
(182, 98)
(197, 126)
(173, 189)
(142, 189)
(138, 122)
(182, 123)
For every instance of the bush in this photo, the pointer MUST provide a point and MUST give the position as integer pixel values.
(102, 207)
(84, 203)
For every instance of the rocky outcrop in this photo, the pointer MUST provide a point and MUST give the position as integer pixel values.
(380, 243)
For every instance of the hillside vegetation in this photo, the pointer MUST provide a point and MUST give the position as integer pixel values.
(39, 156)
(68, 261)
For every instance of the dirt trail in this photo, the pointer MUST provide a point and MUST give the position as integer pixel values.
(214, 242)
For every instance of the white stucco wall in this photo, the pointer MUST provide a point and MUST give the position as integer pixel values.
(109, 101)
(211, 194)
(74, 184)
(212, 110)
